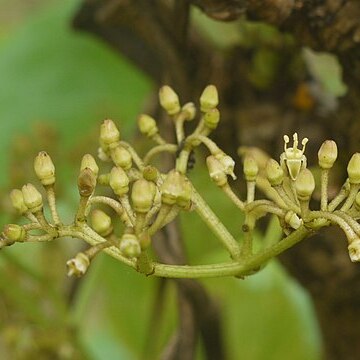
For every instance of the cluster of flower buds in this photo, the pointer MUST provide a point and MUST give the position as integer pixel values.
(144, 199)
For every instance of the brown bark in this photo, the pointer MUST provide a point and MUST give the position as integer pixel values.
(154, 35)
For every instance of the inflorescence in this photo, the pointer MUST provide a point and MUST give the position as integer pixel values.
(145, 199)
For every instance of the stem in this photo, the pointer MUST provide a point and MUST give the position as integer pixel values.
(136, 158)
(171, 148)
(215, 225)
(250, 190)
(233, 197)
(158, 139)
(324, 189)
(81, 212)
(234, 268)
(339, 198)
(282, 193)
(160, 219)
(124, 200)
(51, 198)
(351, 197)
(44, 224)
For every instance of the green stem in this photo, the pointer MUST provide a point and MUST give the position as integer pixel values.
(51, 198)
(351, 197)
(324, 189)
(339, 198)
(171, 148)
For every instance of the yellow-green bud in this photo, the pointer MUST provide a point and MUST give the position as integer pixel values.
(353, 169)
(17, 201)
(119, 181)
(101, 222)
(184, 198)
(86, 182)
(109, 133)
(150, 173)
(130, 246)
(327, 154)
(89, 162)
(147, 125)
(78, 265)
(44, 168)
(304, 185)
(190, 111)
(209, 99)
(216, 170)
(169, 100)
(274, 173)
(121, 157)
(251, 168)
(32, 198)
(14, 232)
(212, 118)
(142, 195)
(172, 187)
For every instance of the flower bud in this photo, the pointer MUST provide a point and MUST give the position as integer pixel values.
(274, 173)
(101, 222)
(32, 198)
(305, 185)
(327, 154)
(44, 168)
(130, 246)
(212, 118)
(169, 100)
(102, 155)
(353, 169)
(172, 187)
(147, 125)
(354, 250)
(190, 111)
(14, 232)
(86, 182)
(293, 220)
(89, 162)
(184, 198)
(209, 99)
(150, 173)
(251, 168)
(142, 195)
(17, 201)
(216, 170)
(109, 133)
(119, 181)
(78, 265)
(121, 158)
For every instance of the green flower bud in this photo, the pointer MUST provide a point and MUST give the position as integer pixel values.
(44, 168)
(142, 195)
(17, 201)
(119, 181)
(78, 265)
(14, 232)
(190, 111)
(209, 99)
(274, 173)
(109, 133)
(101, 222)
(32, 198)
(327, 154)
(150, 173)
(172, 187)
(305, 185)
(169, 100)
(251, 168)
(86, 182)
(121, 158)
(212, 118)
(216, 170)
(147, 125)
(184, 198)
(353, 169)
(130, 246)
(89, 162)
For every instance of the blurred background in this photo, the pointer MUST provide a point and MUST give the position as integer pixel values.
(56, 86)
